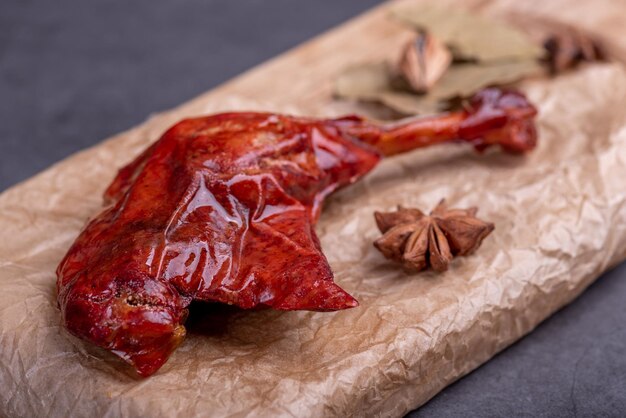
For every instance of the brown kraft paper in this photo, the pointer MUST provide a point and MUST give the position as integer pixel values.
(560, 216)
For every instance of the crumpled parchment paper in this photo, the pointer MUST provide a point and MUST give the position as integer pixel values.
(560, 216)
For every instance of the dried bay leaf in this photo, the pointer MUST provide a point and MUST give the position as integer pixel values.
(378, 83)
(471, 37)
(411, 104)
(466, 79)
(363, 81)
(375, 83)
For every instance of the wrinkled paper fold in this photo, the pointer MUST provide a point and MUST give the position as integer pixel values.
(560, 216)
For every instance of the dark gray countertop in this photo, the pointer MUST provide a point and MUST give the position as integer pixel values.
(73, 73)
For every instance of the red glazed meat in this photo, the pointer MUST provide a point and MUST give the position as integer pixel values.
(222, 209)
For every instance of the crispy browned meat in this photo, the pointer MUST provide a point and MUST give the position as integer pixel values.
(222, 208)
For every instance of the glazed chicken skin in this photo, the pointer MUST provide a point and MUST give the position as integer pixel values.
(222, 208)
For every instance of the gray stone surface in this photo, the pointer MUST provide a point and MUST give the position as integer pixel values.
(74, 72)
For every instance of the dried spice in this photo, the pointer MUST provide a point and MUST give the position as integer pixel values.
(567, 47)
(485, 53)
(378, 83)
(423, 61)
(471, 37)
(421, 241)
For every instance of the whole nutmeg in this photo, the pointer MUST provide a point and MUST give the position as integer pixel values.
(423, 61)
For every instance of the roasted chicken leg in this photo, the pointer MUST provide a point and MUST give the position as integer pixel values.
(222, 208)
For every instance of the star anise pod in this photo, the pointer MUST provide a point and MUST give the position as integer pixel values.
(421, 241)
(567, 47)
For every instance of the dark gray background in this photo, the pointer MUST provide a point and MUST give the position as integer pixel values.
(73, 72)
